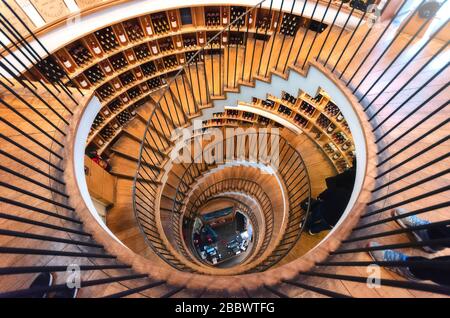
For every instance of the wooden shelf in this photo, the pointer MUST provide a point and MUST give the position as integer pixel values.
(307, 129)
(106, 144)
(124, 89)
(132, 45)
(130, 66)
(115, 113)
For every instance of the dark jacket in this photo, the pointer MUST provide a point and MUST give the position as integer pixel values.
(334, 203)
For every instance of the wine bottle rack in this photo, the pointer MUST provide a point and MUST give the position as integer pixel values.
(190, 55)
(148, 68)
(236, 38)
(189, 40)
(115, 105)
(107, 39)
(264, 20)
(142, 51)
(118, 61)
(105, 91)
(166, 45)
(290, 24)
(79, 53)
(170, 62)
(160, 23)
(94, 74)
(98, 121)
(134, 30)
(50, 69)
(235, 13)
(316, 116)
(212, 16)
(134, 92)
(154, 82)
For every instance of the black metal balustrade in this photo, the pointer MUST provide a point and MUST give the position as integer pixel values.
(290, 167)
(381, 65)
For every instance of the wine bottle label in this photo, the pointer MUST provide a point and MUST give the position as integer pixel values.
(106, 113)
(117, 85)
(83, 83)
(149, 30)
(174, 24)
(179, 43)
(201, 40)
(181, 60)
(100, 142)
(67, 64)
(122, 38)
(154, 50)
(250, 20)
(225, 20)
(224, 39)
(107, 69)
(125, 99)
(131, 57)
(96, 50)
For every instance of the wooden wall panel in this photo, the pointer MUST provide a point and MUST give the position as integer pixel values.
(50, 10)
(13, 20)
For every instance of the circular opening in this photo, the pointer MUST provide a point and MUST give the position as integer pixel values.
(220, 234)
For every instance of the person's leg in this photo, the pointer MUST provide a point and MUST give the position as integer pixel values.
(315, 216)
(433, 233)
(390, 256)
(318, 224)
(438, 233)
(439, 275)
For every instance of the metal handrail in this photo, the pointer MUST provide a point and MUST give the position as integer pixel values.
(401, 151)
(296, 180)
(194, 58)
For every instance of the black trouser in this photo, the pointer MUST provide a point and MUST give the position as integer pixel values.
(438, 233)
(316, 222)
(439, 275)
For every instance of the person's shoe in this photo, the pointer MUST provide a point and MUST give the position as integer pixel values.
(43, 280)
(391, 256)
(413, 221)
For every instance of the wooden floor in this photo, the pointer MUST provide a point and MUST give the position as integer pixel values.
(128, 231)
(16, 282)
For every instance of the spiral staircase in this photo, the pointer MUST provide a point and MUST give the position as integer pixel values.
(388, 79)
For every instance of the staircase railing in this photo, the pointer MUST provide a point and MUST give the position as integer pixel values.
(290, 167)
(353, 57)
(41, 232)
(400, 78)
